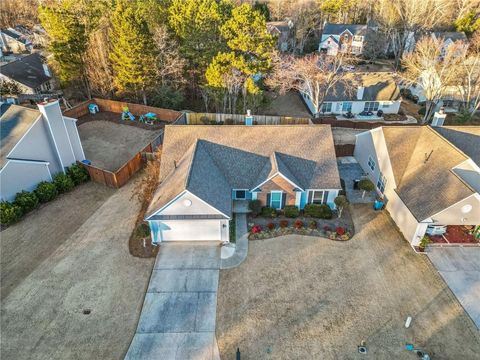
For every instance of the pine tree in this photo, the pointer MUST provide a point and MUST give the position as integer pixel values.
(133, 52)
(68, 42)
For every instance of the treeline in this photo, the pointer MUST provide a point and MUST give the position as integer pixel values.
(157, 51)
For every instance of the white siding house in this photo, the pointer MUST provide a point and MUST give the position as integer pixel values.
(415, 169)
(361, 92)
(35, 146)
(342, 37)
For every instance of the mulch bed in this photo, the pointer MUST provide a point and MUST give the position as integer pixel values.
(116, 118)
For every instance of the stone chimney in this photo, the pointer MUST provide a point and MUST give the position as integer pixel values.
(52, 114)
(439, 117)
(360, 91)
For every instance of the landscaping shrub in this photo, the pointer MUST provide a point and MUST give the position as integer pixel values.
(291, 211)
(26, 201)
(256, 229)
(46, 191)
(283, 224)
(142, 230)
(312, 224)
(271, 226)
(340, 230)
(63, 183)
(9, 213)
(78, 174)
(327, 228)
(298, 224)
(255, 207)
(320, 211)
(269, 212)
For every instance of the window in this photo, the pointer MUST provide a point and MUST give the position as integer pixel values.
(385, 105)
(276, 199)
(326, 107)
(381, 183)
(357, 38)
(347, 106)
(240, 194)
(371, 106)
(448, 103)
(371, 163)
(315, 197)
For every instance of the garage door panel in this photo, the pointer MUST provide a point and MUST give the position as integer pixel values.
(188, 230)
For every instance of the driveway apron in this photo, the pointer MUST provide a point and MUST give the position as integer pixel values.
(178, 315)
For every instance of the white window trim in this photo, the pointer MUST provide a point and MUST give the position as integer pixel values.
(235, 191)
(281, 198)
(316, 190)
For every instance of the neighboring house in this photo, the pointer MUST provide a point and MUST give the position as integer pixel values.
(448, 39)
(361, 92)
(14, 41)
(428, 178)
(35, 145)
(205, 169)
(284, 32)
(30, 73)
(343, 37)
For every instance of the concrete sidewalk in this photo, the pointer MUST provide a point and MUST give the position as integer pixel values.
(241, 244)
(179, 312)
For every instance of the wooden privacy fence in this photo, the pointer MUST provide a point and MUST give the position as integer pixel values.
(344, 150)
(239, 119)
(120, 177)
(81, 109)
(357, 124)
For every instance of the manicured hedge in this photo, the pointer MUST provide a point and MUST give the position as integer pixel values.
(9, 213)
(269, 212)
(46, 191)
(26, 201)
(78, 174)
(63, 183)
(291, 211)
(320, 211)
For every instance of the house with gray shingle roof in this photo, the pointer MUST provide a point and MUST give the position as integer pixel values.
(35, 145)
(360, 91)
(342, 37)
(430, 179)
(30, 74)
(205, 169)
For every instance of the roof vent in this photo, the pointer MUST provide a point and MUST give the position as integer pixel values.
(427, 157)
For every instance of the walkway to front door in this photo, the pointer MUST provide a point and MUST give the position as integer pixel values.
(179, 312)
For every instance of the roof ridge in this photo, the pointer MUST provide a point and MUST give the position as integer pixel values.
(189, 168)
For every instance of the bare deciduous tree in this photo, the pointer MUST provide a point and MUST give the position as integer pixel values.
(469, 82)
(171, 65)
(433, 69)
(314, 75)
(401, 19)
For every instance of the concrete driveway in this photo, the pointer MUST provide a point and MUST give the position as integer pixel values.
(460, 268)
(179, 312)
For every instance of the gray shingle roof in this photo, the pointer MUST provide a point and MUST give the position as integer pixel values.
(425, 186)
(27, 70)
(379, 86)
(466, 138)
(452, 35)
(213, 160)
(337, 29)
(14, 123)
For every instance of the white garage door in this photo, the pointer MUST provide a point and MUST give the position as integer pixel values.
(188, 230)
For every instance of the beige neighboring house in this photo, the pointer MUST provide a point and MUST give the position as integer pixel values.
(429, 178)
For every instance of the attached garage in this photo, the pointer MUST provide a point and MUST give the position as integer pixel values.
(189, 230)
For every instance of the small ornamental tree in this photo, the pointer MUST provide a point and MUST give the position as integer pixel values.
(366, 185)
(255, 206)
(341, 201)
